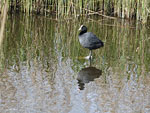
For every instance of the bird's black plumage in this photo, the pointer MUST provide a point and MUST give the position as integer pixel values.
(88, 39)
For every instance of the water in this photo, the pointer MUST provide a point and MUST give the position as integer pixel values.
(43, 70)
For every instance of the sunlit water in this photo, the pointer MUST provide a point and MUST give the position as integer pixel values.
(43, 70)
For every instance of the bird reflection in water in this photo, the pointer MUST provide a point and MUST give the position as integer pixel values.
(87, 74)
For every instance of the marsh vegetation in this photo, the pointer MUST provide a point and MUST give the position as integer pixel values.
(130, 9)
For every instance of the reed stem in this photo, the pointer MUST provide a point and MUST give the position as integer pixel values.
(130, 9)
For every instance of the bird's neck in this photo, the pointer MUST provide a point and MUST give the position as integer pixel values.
(82, 32)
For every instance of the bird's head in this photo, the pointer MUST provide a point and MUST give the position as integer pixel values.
(83, 29)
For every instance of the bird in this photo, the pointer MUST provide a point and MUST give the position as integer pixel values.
(89, 40)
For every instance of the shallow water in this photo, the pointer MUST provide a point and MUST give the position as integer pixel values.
(43, 70)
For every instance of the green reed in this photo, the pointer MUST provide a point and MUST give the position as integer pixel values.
(3, 17)
(130, 9)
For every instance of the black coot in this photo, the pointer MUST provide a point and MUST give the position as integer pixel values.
(89, 40)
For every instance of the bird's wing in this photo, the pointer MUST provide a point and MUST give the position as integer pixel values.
(93, 39)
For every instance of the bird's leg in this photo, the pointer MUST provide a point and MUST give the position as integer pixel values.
(90, 55)
(90, 61)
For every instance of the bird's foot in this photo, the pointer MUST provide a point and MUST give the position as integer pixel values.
(88, 57)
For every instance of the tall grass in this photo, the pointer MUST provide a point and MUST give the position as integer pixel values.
(3, 14)
(131, 9)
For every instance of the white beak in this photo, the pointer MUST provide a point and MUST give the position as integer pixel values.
(80, 27)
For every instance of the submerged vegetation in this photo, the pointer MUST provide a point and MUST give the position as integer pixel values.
(45, 41)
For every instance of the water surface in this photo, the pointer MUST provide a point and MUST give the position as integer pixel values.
(42, 69)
